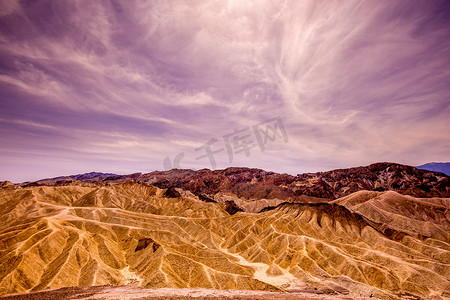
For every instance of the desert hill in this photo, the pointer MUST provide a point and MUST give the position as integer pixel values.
(210, 229)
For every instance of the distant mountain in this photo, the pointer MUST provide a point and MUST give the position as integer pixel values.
(259, 184)
(437, 167)
(86, 177)
(92, 177)
(247, 183)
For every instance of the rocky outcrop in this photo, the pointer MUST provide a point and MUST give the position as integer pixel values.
(6, 183)
(376, 177)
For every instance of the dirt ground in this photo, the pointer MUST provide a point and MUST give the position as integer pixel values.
(133, 292)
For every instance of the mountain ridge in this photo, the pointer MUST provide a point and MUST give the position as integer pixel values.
(257, 183)
(443, 167)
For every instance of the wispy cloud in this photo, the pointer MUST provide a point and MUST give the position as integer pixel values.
(118, 86)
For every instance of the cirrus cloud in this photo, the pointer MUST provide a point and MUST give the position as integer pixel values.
(117, 86)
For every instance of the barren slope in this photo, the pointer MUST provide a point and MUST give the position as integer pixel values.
(95, 235)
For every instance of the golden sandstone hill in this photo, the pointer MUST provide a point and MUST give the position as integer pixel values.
(367, 243)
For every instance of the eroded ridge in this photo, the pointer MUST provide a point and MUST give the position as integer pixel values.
(379, 244)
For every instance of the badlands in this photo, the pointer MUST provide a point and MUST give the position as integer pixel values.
(381, 231)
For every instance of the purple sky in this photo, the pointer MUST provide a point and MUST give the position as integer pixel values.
(118, 86)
